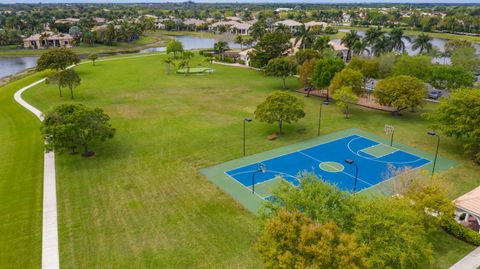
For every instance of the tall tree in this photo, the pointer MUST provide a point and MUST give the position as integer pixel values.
(71, 125)
(419, 66)
(344, 97)
(292, 240)
(93, 57)
(325, 70)
(270, 46)
(449, 77)
(322, 43)
(170, 61)
(174, 47)
(69, 78)
(305, 36)
(372, 35)
(305, 72)
(348, 78)
(221, 47)
(401, 92)
(280, 107)
(459, 117)
(281, 67)
(396, 37)
(466, 58)
(349, 40)
(57, 59)
(422, 43)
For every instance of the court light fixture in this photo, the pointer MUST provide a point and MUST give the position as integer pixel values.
(350, 161)
(245, 120)
(432, 133)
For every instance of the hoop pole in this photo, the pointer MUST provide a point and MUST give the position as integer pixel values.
(391, 139)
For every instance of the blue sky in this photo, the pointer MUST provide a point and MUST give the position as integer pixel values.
(243, 1)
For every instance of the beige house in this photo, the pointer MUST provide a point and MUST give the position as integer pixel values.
(467, 209)
(234, 27)
(291, 24)
(48, 40)
(310, 24)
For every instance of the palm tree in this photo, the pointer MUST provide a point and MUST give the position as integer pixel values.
(305, 36)
(349, 41)
(360, 47)
(185, 63)
(258, 30)
(422, 42)
(169, 61)
(372, 35)
(381, 45)
(221, 47)
(396, 38)
(322, 43)
(239, 40)
(282, 28)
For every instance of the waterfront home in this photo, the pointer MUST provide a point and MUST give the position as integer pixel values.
(234, 27)
(48, 40)
(291, 24)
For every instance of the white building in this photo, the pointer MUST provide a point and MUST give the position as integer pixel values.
(291, 24)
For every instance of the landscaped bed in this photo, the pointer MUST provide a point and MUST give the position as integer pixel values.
(195, 70)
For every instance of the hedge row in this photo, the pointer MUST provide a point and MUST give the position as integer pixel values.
(461, 232)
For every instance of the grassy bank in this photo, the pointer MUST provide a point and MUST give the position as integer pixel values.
(141, 202)
(21, 181)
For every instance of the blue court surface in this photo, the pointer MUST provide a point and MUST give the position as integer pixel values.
(375, 161)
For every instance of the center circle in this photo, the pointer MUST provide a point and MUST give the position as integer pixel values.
(332, 167)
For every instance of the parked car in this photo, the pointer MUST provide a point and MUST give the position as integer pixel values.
(435, 94)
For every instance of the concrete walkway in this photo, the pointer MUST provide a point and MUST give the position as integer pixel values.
(471, 261)
(50, 256)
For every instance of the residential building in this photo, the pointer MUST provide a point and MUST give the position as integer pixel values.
(291, 24)
(48, 40)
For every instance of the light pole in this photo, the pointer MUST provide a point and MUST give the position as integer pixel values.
(432, 133)
(244, 125)
(350, 161)
(261, 168)
(325, 102)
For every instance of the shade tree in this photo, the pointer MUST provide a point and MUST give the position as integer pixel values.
(401, 92)
(281, 67)
(174, 47)
(57, 59)
(325, 70)
(280, 107)
(348, 78)
(270, 46)
(343, 98)
(69, 126)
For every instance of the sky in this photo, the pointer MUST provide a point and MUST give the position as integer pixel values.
(246, 1)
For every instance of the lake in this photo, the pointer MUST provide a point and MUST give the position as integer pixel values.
(12, 65)
(436, 42)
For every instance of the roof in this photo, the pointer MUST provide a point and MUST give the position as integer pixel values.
(233, 18)
(470, 201)
(288, 23)
(315, 23)
(49, 36)
(337, 46)
(193, 21)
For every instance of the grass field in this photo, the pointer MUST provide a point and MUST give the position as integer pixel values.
(21, 175)
(141, 202)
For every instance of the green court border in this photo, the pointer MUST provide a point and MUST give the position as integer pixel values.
(252, 202)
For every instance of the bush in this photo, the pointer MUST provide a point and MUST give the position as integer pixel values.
(241, 62)
(229, 60)
(460, 232)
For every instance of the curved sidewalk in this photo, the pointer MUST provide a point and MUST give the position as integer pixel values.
(471, 261)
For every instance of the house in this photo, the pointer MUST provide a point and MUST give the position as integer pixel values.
(48, 40)
(99, 20)
(291, 24)
(310, 24)
(67, 21)
(244, 56)
(467, 209)
(282, 9)
(160, 26)
(193, 22)
(340, 49)
(233, 18)
(234, 27)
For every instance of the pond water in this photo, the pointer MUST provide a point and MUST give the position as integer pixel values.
(13, 65)
(196, 42)
(436, 42)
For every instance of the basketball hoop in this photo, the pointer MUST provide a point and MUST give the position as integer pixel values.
(389, 130)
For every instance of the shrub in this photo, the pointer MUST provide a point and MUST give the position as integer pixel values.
(460, 232)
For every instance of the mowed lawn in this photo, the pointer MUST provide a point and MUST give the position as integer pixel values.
(141, 202)
(21, 181)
